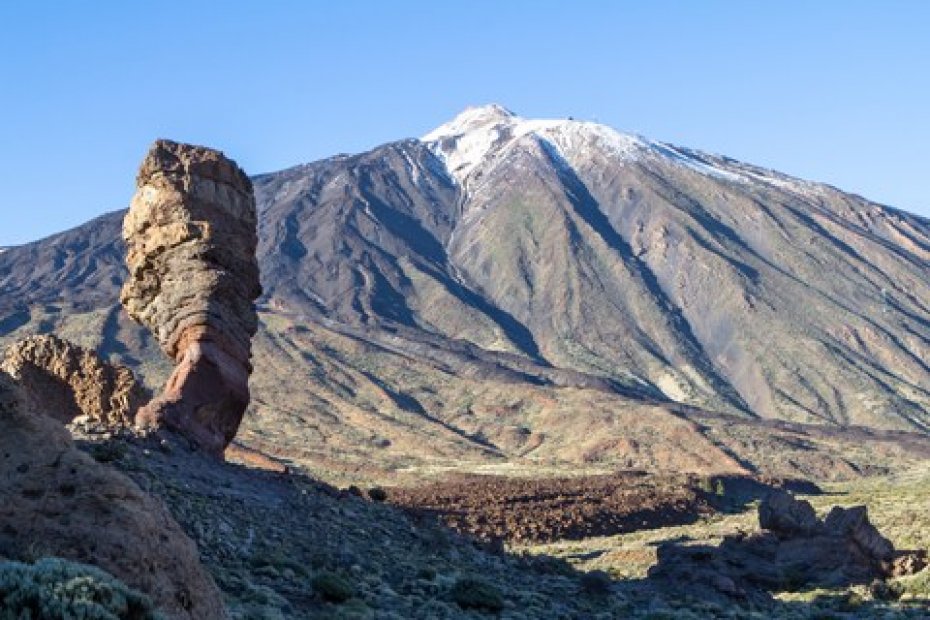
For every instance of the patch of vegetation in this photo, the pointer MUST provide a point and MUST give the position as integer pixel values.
(55, 589)
(277, 560)
(332, 587)
(475, 593)
(595, 583)
(107, 452)
(794, 578)
(917, 585)
(851, 601)
(377, 494)
(885, 591)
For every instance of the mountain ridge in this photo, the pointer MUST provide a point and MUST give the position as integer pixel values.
(402, 300)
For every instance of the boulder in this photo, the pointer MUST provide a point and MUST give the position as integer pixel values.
(65, 381)
(853, 523)
(794, 550)
(783, 514)
(55, 501)
(193, 278)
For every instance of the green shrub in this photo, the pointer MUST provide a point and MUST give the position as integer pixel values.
(706, 485)
(794, 578)
(595, 583)
(108, 452)
(55, 589)
(851, 601)
(377, 494)
(884, 591)
(916, 585)
(332, 587)
(473, 593)
(264, 559)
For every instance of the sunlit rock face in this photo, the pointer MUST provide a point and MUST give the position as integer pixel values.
(193, 278)
(67, 381)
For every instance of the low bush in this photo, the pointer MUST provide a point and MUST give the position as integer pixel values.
(885, 591)
(474, 593)
(916, 585)
(332, 587)
(55, 589)
(595, 583)
(377, 494)
(107, 452)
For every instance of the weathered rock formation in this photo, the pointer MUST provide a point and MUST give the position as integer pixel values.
(783, 514)
(64, 381)
(794, 550)
(193, 279)
(56, 501)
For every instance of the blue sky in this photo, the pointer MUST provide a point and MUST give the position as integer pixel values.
(831, 91)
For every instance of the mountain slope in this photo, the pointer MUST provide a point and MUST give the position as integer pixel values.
(697, 278)
(552, 290)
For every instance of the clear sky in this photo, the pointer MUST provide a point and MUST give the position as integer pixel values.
(830, 91)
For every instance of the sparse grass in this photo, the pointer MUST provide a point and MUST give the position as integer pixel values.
(916, 586)
(897, 506)
(629, 556)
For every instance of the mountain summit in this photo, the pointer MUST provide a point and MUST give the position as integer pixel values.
(508, 288)
(481, 136)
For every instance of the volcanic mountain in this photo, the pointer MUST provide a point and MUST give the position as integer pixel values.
(549, 293)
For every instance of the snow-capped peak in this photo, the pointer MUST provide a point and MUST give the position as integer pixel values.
(480, 134)
(473, 118)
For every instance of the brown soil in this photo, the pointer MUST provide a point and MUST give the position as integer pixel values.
(495, 508)
(243, 455)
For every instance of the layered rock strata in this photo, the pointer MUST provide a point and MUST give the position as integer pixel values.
(57, 501)
(65, 381)
(193, 279)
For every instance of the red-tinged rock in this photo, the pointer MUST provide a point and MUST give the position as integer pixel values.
(193, 278)
(57, 501)
(65, 381)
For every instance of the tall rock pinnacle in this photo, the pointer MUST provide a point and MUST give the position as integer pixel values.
(193, 279)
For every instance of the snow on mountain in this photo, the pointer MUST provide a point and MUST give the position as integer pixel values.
(481, 136)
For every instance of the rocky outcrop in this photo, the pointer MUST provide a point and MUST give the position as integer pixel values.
(57, 501)
(65, 381)
(794, 550)
(193, 279)
(783, 514)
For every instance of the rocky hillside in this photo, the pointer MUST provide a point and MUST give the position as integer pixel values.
(510, 291)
